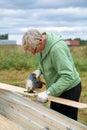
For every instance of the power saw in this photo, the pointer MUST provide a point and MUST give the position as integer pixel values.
(37, 83)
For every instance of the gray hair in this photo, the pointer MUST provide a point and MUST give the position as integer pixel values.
(31, 39)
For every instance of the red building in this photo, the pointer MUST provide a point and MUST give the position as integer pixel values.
(72, 42)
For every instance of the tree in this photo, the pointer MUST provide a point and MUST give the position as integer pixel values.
(4, 37)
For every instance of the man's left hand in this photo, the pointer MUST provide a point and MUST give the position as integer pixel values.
(43, 97)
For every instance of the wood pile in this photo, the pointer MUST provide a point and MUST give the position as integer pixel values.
(21, 113)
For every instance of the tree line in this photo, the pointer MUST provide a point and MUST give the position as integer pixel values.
(82, 42)
(4, 37)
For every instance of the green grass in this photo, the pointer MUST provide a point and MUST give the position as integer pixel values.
(16, 58)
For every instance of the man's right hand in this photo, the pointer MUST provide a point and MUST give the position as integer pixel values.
(37, 73)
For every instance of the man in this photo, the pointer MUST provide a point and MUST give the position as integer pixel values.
(57, 66)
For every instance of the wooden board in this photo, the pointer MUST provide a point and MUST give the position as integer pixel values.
(51, 98)
(68, 102)
(30, 115)
(62, 101)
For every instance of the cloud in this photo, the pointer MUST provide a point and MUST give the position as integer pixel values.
(66, 18)
(32, 4)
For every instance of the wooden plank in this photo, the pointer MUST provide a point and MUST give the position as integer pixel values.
(12, 88)
(68, 102)
(31, 115)
(62, 101)
(51, 98)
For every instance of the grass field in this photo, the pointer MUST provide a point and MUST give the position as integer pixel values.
(15, 66)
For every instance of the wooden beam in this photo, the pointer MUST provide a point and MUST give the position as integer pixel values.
(61, 101)
(12, 88)
(51, 98)
(68, 102)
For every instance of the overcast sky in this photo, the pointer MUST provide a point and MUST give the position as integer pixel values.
(65, 17)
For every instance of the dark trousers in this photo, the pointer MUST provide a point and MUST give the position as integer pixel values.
(72, 94)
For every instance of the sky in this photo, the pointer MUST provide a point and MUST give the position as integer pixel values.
(67, 18)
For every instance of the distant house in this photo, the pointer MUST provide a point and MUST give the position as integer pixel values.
(72, 42)
(7, 42)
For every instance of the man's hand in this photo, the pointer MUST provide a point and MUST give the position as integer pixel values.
(37, 73)
(29, 85)
(43, 97)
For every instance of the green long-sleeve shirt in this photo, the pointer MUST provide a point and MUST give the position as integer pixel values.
(57, 66)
